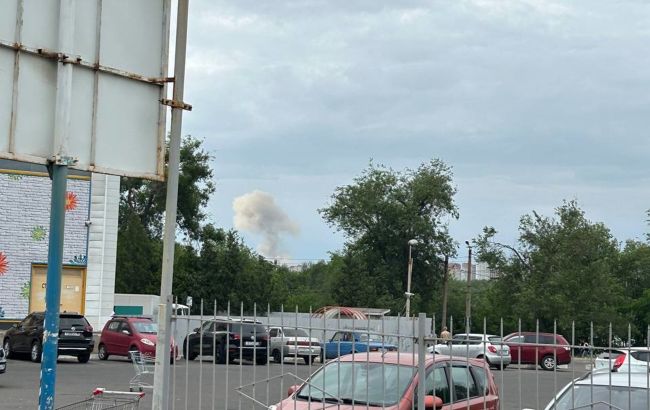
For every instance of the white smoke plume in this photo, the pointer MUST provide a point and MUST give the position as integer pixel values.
(256, 212)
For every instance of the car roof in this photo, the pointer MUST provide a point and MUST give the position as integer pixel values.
(474, 335)
(61, 314)
(406, 359)
(604, 377)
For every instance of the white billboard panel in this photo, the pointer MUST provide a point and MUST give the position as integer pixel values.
(119, 61)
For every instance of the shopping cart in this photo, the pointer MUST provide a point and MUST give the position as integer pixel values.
(144, 367)
(102, 399)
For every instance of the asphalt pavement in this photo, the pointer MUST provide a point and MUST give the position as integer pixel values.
(198, 384)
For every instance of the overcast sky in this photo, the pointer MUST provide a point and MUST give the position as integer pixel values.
(530, 102)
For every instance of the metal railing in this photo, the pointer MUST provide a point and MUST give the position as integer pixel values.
(239, 358)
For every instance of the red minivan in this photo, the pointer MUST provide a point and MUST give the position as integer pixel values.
(124, 334)
(545, 349)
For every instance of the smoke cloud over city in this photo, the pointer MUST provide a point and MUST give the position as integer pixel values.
(257, 213)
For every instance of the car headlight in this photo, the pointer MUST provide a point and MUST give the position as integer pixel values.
(147, 342)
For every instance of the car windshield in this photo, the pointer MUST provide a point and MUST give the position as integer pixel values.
(582, 396)
(295, 332)
(145, 327)
(374, 384)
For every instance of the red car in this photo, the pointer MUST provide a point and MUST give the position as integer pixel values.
(123, 334)
(390, 381)
(545, 349)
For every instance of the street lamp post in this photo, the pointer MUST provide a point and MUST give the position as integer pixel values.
(468, 297)
(408, 293)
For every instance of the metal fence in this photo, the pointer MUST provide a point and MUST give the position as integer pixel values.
(294, 360)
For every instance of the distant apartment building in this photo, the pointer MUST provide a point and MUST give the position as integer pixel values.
(480, 271)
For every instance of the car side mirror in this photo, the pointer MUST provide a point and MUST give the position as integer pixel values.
(126, 332)
(197, 330)
(292, 389)
(432, 402)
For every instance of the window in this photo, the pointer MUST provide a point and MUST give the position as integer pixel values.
(463, 383)
(273, 332)
(146, 326)
(289, 332)
(437, 384)
(114, 325)
(125, 326)
(642, 356)
(516, 339)
(481, 380)
(531, 339)
(364, 383)
(208, 327)
(547, 339)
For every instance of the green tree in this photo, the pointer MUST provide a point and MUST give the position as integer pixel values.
(141, 214)
(379, 213)
(561, 271)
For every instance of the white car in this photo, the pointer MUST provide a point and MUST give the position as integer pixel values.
(624, 360)
(291, 342)
(476, 345)
(602, 389)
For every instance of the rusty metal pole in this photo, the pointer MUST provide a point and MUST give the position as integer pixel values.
(162, 372)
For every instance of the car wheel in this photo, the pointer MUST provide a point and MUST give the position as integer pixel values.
(36, 352)
(102, 353)
(548, 362)
(307, 359)
(220, 353)
(277, 357)
(7, 347)
(83, 358)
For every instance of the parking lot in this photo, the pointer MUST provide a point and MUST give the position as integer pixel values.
(195, 382)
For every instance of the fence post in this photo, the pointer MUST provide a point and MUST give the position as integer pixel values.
(422, 350)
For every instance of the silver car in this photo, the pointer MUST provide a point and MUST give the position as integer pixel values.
(478, 345)
(292, 342)
(603, 389)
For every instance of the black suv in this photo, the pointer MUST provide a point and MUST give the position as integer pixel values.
(75, 337)
(233, 339)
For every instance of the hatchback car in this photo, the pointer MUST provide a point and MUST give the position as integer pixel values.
(75, 337)
(123, 334)
(390, 380)
(547, 350)
(602, 389)
(348, 341)
(624, 360)
(292, 342)
(227, 340)
(476, 345)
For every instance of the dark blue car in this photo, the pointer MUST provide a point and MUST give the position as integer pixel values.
(346, 342)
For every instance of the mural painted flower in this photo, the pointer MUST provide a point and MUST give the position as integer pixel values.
(70, 201)
(25, 290)
(38, 233)
(78, 260)
(4, 265)
(15, 177)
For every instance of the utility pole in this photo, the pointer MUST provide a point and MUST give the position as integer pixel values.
(445, 282)
(408, 293)
(468, 297)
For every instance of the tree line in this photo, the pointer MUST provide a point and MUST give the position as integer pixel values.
(564, 271)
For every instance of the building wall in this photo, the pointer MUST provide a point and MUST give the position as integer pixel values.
(102, 249)
(24, 233)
